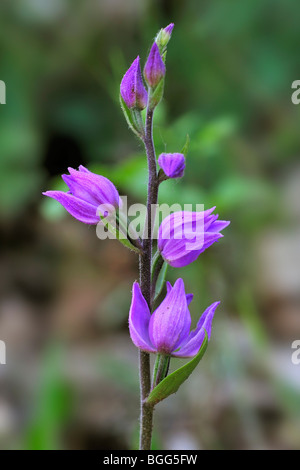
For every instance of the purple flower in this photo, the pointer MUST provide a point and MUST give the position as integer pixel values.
(87, 192)
(132, 87)
(167, 330)
(183, 235)
(173, 164)
(154, 69)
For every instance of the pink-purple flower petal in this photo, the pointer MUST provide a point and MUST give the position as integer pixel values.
(81, 210)
(139, 318)
(183, 236)
(191, 347)
(169, 319)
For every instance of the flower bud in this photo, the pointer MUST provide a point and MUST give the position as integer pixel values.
(132, 87)
(154, 69)
(173, 164)
(164, 36)
(168, 30)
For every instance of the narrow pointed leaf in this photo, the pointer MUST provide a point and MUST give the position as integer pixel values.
(119, 235)
(172, 382)
(157, 94)
(161, 279)
(185, 148)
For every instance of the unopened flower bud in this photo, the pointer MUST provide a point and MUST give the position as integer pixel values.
(168, 29)
(164, 36)
(173, 164)
(132, 87)
(154, 69)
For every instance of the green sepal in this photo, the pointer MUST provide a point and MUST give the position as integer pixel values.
(120, 236)
(172, 382)
(186, 146)
(162, 176)
(133, 118)
(156, 94)
(161, 368)
(162, 39)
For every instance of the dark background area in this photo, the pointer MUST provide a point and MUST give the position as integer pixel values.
(71, 375)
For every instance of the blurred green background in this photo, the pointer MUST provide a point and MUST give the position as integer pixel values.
(71, 375)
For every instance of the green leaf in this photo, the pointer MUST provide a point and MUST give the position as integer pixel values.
(118, 235)
(161, 279)
(131, 118)
(185, 148)
(157, 94)
(172, 382)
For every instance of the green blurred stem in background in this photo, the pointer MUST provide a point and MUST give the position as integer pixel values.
(146, 416)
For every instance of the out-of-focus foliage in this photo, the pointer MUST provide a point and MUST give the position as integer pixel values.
(51, 405)
(230, 66)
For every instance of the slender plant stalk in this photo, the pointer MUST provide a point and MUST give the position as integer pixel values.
(146, 412)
